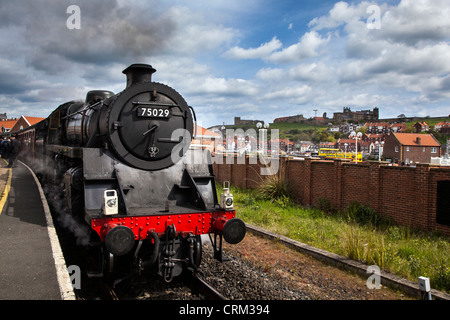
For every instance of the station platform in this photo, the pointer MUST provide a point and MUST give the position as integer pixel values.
(32, 265)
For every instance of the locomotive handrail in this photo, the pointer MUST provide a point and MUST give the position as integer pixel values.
(82, 110)
(170, 140)
(195, 123)
(137, 103)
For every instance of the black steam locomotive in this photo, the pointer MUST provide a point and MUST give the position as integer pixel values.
(123, 165)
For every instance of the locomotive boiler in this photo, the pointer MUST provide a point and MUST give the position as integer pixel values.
(125, 169)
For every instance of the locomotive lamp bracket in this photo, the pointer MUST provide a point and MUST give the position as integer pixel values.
(226, 198)
(110, 202)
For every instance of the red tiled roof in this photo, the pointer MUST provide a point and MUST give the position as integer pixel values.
(398, 125)
(286, 141)
(327, 143)
(33, 120)
(374, 135)
(349, 141)
(8, 124)
(205, 132)
(377, 124)
(410, 139)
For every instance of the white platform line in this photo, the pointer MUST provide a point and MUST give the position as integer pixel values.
(65, 284)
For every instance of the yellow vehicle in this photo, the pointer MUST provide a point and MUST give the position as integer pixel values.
(328, 153)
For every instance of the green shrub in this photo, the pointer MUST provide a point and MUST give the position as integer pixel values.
(364, 215)
(326, 207)
(272, 188)
(441, 276)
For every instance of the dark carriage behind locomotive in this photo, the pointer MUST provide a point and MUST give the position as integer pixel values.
(123, 164)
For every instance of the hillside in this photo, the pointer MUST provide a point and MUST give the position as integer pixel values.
(292, 131)
(316, 133)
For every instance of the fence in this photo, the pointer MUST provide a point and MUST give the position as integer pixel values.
(412, 196)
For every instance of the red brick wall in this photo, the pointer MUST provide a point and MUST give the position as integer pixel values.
(398, 194)
(406, 194)
(299, 179)
(354, 185)
(322, 181)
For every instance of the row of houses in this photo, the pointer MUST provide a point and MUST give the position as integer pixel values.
(401, 148)
(371, 127)
(442, 127)
(386, 127)
(16, 124)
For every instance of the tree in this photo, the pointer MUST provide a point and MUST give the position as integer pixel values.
(362, 129)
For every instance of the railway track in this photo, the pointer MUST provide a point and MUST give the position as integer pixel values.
(200, 289)
(204, 288)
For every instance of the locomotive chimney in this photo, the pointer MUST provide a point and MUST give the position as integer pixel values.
(138, 73)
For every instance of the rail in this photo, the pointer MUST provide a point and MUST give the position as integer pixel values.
(205, 289)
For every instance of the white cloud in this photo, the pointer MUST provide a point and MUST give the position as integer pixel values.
(271, 74)
(194, 34)
(342, 13)
(222, 86)
(295, 95)
(317, 72)
(262, 52)
(413, 21)
(307, 47)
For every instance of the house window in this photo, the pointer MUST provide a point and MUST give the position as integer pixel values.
(443, 203)
(396, 148)
(423, 149)
(434, 150)
(407, 148)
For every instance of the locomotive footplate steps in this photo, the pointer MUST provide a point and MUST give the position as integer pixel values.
(29, 267)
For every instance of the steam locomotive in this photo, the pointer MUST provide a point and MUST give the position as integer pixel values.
(123, 164)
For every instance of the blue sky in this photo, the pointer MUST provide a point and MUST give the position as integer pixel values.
(257, 59)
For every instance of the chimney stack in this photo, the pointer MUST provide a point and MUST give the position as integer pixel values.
(138, 73)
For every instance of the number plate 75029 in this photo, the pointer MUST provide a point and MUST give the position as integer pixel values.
(154, 112)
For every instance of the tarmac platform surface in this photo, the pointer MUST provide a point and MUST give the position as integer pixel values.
(32, 266)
